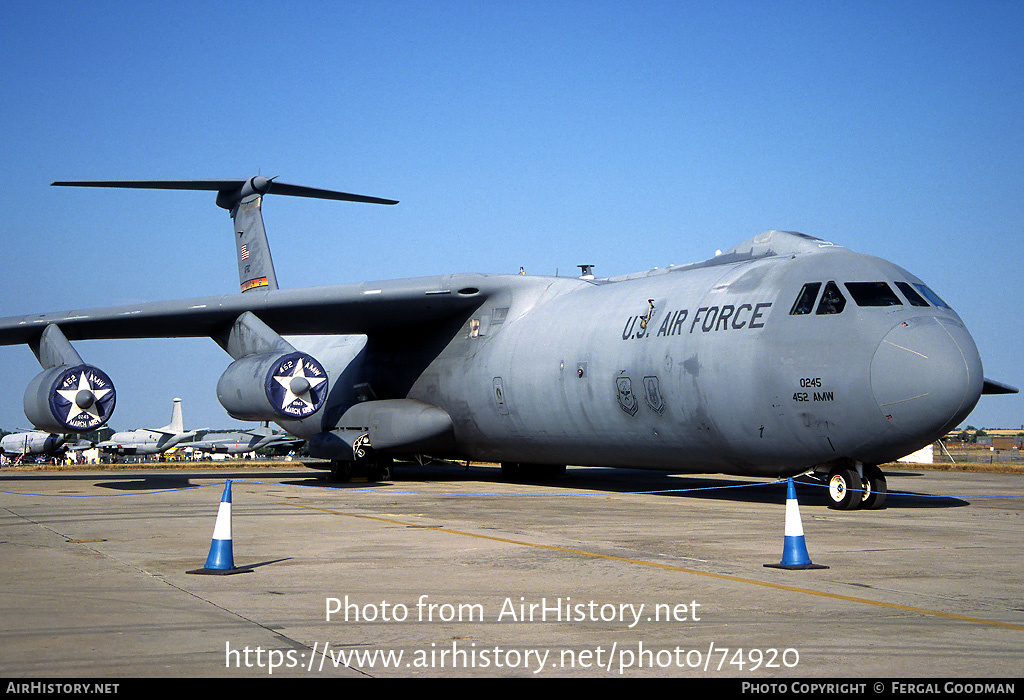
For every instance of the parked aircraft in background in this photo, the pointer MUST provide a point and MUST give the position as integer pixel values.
(782, 355)
(35, 442)
(149, 441)
(245, 441)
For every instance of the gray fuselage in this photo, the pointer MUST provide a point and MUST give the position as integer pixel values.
(705, 369)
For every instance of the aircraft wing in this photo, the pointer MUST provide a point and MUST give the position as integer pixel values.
(361, 308)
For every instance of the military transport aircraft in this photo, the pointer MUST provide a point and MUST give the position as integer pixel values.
(35, 442)
(149, 441)
(782, 355)
(245, 441)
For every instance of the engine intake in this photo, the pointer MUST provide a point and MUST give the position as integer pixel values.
(271, 386)
(66, 399)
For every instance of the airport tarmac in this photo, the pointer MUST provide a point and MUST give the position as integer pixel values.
(448, 571)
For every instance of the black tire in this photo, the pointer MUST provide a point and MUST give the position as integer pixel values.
(549, 471)
(874, 487)
(844, 489)
(341, 470)
(382, 469)
(532, 472)
(511, 470)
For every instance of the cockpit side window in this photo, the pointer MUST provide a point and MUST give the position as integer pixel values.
(873, 294)
(832, 300)
(913, 297)
(804, 303)
(931, 296)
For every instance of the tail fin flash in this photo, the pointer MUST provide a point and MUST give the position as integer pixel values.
(243, 198)
(255, 266)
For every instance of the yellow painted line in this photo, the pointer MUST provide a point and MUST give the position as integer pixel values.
(669, 567)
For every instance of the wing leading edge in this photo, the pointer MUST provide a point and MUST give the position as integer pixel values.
(363, 308)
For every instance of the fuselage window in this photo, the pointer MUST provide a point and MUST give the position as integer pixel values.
(913, 297)
(804, 303)
(931, 296)
(873, 294)
(832, 300)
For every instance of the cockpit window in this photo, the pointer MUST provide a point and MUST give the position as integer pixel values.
(931, 296)
(873, 294)
(913, 297)
(804, 303)
(832, 300)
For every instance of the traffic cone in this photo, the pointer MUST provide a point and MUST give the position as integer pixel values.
(221, 561)
(794, 549)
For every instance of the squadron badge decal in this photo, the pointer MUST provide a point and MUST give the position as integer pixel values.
(627, 399)
(297, 386)
(82, 398)
(652, 392)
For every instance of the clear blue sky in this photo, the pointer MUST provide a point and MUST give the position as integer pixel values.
(630, 135)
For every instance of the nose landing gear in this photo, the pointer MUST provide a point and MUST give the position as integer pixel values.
(851, 488)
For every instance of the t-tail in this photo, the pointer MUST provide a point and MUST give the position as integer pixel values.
(255, 266)
(243, 199)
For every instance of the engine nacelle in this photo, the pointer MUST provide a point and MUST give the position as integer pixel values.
(265, 387)
(65, 399)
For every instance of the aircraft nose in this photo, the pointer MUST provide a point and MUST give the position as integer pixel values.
(926, 376)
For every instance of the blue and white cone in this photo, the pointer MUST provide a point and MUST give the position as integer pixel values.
(221, 559)
(794, 549)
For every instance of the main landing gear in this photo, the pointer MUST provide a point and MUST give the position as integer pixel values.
(850, 488)
(374, 469)
(520, 470)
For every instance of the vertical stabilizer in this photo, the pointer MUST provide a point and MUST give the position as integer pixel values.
(176, 425)
(243, 198)
(255, 266)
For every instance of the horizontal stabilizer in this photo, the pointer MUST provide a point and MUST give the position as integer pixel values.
(991, 386)
(242, 198)
(231, 191)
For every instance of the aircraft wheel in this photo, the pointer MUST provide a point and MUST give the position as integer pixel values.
(521, 470)
(511, 470)
(550, 471)
(844, 489)
(382, 469)
(874, 487)
(340, 470)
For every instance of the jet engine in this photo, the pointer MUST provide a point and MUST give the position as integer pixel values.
(69, 399)
(273, 387)
(68, 396)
